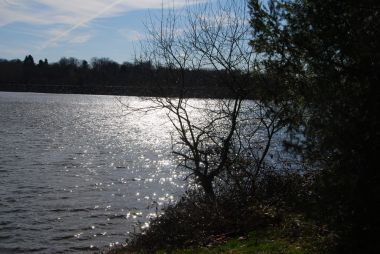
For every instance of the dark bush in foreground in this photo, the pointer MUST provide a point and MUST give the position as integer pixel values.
(200, 221)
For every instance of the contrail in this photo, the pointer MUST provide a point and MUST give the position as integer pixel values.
(81, 23)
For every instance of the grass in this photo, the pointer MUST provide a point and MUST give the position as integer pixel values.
(264, 243)
(249, 246)
(235, 224)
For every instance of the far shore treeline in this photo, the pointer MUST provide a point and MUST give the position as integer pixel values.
(104, 76)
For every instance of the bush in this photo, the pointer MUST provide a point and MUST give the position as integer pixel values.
(197, 220)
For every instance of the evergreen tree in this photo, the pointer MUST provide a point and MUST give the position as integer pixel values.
(323, 60)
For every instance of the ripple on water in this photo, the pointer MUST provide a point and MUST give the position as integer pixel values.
(70, 170)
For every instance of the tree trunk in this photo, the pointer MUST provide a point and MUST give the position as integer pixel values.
(206, 183)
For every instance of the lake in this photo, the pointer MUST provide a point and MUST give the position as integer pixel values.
(78, 174)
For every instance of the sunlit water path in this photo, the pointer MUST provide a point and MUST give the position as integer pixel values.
(77, 174)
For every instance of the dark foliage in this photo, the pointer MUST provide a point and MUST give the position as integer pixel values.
(323, 58)
(197, 220)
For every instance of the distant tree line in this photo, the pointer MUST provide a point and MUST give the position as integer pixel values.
(105, 76)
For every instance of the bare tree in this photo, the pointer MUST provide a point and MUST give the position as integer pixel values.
(211, 135)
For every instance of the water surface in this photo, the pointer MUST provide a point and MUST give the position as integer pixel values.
(77, 173)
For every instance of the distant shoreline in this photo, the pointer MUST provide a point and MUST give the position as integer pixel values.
(139, 91)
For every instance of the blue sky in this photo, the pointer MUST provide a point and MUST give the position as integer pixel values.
(76, 28)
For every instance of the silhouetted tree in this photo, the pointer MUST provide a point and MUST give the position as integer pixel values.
(323, 59)
(209, 135)
(28, 68)
(29, 61)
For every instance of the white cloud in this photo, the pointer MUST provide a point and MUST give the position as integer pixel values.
(131, 35)
(73, 14)
(79, 36)
(80, 39)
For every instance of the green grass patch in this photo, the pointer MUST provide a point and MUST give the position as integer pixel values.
(264, 243)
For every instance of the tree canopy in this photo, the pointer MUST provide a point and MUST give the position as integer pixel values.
(323, 60)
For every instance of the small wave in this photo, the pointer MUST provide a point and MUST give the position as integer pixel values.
(97, 216)
(10, 200)
(4, 237)
(117, 216)
(8, 250)
(14, 211)
(4, 250)
(84, 248)
(58, 210)
(4, 223)
(76, 210)
(37, 249)
(60, 238)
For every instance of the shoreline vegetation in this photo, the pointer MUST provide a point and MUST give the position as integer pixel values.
(269, 241)
(238, 222)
